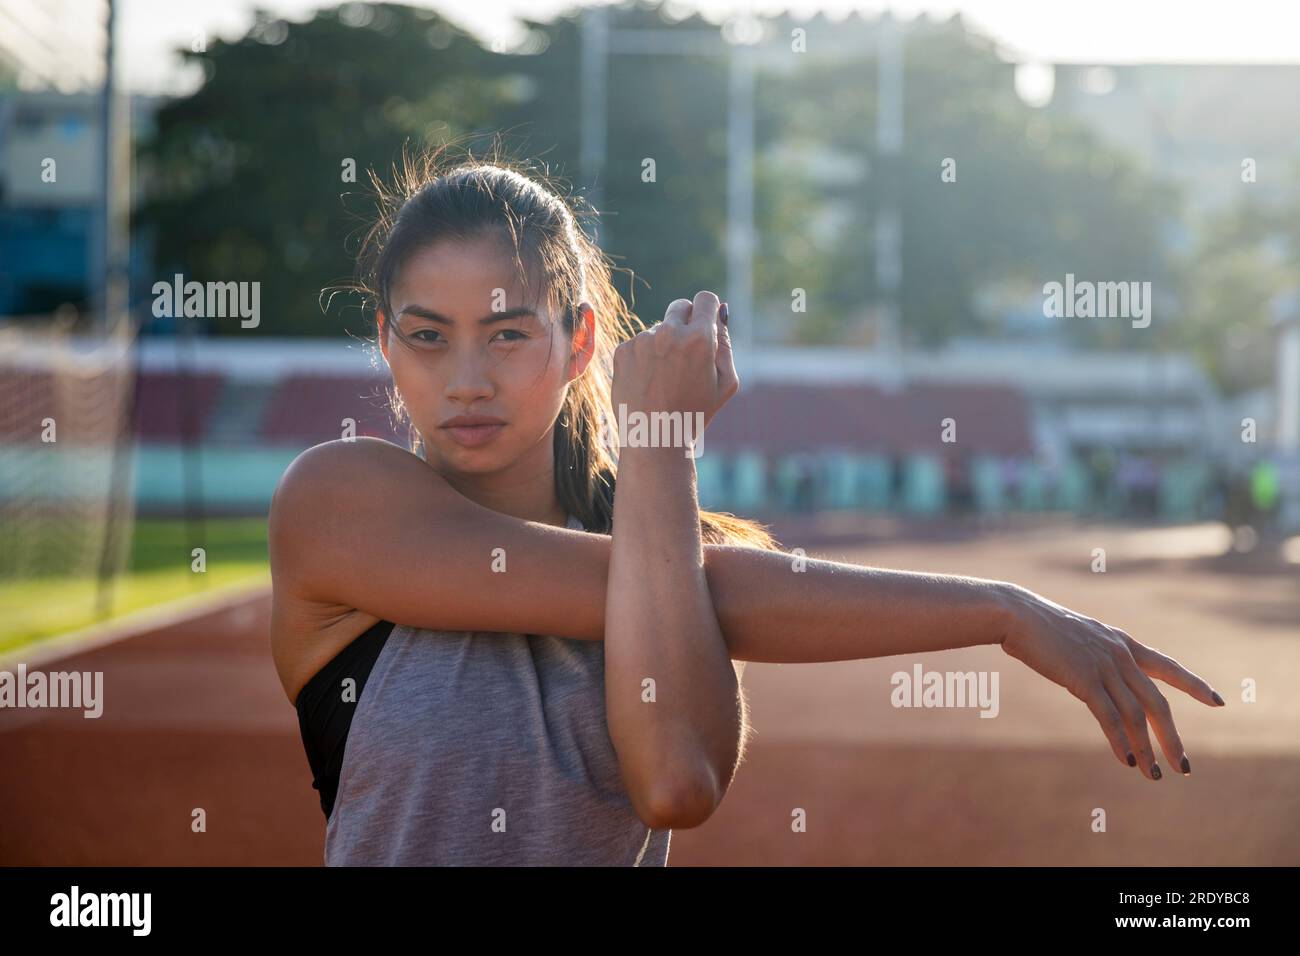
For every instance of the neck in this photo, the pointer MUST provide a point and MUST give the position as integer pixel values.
(525, 489)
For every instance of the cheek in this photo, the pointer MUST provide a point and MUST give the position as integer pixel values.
(416, 369)
(416, 385)
(537, 368)
(537, 391)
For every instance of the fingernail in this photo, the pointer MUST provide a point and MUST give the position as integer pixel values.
(1132, 761)
(1187, 766)
(1217, 699)
(723, 314)
(1155, 771)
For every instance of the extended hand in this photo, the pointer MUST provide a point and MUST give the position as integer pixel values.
(1108, 671)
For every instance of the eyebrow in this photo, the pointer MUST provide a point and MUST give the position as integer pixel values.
(423, 313)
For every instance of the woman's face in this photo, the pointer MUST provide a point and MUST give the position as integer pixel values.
(476, 348)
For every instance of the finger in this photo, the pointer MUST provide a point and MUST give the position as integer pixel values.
(702, 325)
(728, 380)
(678, 312)
(703, 311)
(1112, 724)
(1158, 712)
(1165, 668)
(1135, 721)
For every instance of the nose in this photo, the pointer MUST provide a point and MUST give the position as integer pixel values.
(469, 380)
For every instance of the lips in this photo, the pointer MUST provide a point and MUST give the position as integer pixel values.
(473, 435)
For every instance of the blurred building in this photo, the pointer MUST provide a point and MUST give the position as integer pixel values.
(50, 196)
(49, 190)
(989, 432)
(52, 58)
(1193, 124)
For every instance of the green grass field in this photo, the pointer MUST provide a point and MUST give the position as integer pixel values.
(159, 571)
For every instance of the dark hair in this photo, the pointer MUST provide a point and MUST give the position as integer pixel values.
(432, 199)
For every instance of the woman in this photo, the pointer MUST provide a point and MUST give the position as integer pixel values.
(524, 667)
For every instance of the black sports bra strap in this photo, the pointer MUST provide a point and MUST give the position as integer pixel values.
(325, 710)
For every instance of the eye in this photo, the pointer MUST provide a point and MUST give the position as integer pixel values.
(522, 335)
(418, 333)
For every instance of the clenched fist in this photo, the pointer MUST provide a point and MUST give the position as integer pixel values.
(682, 365)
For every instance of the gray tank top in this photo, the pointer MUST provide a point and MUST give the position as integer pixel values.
(477, 749)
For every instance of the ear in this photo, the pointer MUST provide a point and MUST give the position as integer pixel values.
(584, 340)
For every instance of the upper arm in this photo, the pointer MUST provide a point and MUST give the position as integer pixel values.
(365, 524)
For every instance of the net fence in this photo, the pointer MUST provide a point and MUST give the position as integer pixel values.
(67, 405)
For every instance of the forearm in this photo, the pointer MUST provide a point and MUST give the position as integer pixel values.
(672, 698)
(771, 611)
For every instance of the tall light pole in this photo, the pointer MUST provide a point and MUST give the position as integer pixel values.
(740, 208)
(1286, 316)
(599, 40)
(595, 79)
(110, 243)
(889, 220)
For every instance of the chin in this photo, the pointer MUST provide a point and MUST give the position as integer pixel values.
(469, 460)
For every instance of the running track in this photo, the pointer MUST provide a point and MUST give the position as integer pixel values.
(195, 717)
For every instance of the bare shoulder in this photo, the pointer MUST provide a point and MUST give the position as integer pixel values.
(329, 480)
(336, 465)
(318, 508)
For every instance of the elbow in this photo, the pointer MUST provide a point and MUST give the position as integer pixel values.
(679, 804)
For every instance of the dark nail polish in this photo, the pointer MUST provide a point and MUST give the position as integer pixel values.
(1187, 766)
(724, 314)
(1217, 699)
(1132, 761)
(1155, 771)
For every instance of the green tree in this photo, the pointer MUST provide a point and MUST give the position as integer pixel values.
(245, 174)
(246, 177)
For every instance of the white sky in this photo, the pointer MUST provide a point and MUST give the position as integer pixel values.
(1092, 31)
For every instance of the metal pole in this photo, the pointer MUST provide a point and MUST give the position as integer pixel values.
(1288, 387)
(889, 226)
(599, 40)
(120, 512)
(107, 302)
(100, 264)
(740, 209)
(1288, 416)
(595, 79)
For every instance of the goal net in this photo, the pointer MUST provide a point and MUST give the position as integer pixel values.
(66, 412)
